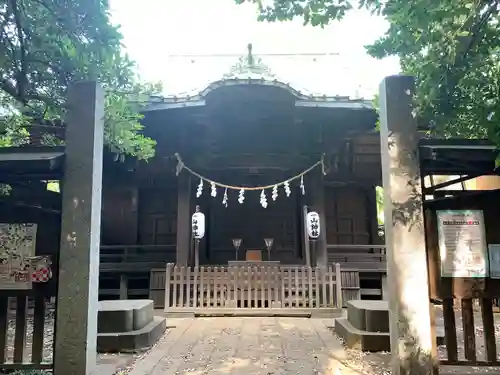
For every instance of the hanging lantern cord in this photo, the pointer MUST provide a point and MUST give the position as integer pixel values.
(181, 166)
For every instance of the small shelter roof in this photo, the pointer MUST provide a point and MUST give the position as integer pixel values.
(455, 156)
(31, 163)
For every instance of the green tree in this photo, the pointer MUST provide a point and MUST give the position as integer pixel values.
(451, 47)
(47, 44)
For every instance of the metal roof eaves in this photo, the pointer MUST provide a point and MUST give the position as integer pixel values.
(197, 97)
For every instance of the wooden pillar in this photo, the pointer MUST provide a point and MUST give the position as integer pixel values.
(305, 236)
(318, 205)
(371, 202)
(123, 286)
(77, 295)
(410, 324)
(183, 219)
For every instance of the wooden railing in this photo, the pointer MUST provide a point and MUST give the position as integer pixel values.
(263, 287)
(135, 257)
(130, 264)
(358, 257)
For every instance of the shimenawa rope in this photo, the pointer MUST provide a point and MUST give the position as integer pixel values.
(181, 166)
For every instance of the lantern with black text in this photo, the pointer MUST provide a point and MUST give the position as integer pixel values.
(198, 225)
(313, 225)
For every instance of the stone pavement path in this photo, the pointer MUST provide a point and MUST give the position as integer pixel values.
(246, 346)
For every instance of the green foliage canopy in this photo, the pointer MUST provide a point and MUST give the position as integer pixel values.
(47, 44)
(451, 47)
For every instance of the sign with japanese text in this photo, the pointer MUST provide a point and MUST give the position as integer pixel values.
(313, 225)
(17, 248)
(462, 243)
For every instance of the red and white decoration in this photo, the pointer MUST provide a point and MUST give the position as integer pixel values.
(41, 269)
(41, 275)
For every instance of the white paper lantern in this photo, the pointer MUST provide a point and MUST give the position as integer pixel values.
(313, 225)
(198, 225)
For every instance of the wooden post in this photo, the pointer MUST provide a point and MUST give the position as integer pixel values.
(183, 219)
(371, 200)
(307, 249)
(77, 296)
(196, 253)
(410, 324)
(338, 286)
(318, 205)
(123, 286)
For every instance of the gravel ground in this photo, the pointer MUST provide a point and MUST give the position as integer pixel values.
(379, 363)
(365, 363)
(47, 342)
(108, 364)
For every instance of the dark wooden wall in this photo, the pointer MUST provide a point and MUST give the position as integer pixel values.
(349, 215)
(148, 216)
(246, 135)
(119, 220)
(252, 223)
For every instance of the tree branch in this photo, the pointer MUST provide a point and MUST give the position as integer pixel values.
(22, 78)
(476, 30)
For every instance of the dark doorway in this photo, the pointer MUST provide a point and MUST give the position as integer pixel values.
(252, 223)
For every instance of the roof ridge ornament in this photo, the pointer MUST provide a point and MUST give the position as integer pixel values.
(250, 60)
(249, 66)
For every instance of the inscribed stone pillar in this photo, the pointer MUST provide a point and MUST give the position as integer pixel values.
(183, 219)
(76, 324)
(410, 325)
(318, 205)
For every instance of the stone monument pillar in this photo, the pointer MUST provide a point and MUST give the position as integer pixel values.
(409, 304)
(77, 299)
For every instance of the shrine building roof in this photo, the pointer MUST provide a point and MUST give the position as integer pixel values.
(250, 71)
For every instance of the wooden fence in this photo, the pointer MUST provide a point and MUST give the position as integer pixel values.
(475, 342)
(208, 288)
(23, 319)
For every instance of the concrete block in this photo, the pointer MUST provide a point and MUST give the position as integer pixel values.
(361, 340)
(141, 339)
(370, 316)
(124, 315)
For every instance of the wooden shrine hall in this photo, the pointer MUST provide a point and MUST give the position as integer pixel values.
(217, 147)
(246, 131)
(256, 159)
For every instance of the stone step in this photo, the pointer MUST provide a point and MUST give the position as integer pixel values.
(140, 339)
(370, 316)
(361, 340)
(124, 315)
(368, 341)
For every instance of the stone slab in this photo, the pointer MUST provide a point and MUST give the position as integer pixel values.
(141, 339)
(371, 316)
(253, 312)
(246, 346)
(124, 315)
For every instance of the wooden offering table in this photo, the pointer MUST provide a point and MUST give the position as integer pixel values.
(253, 255)
(262, 263)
